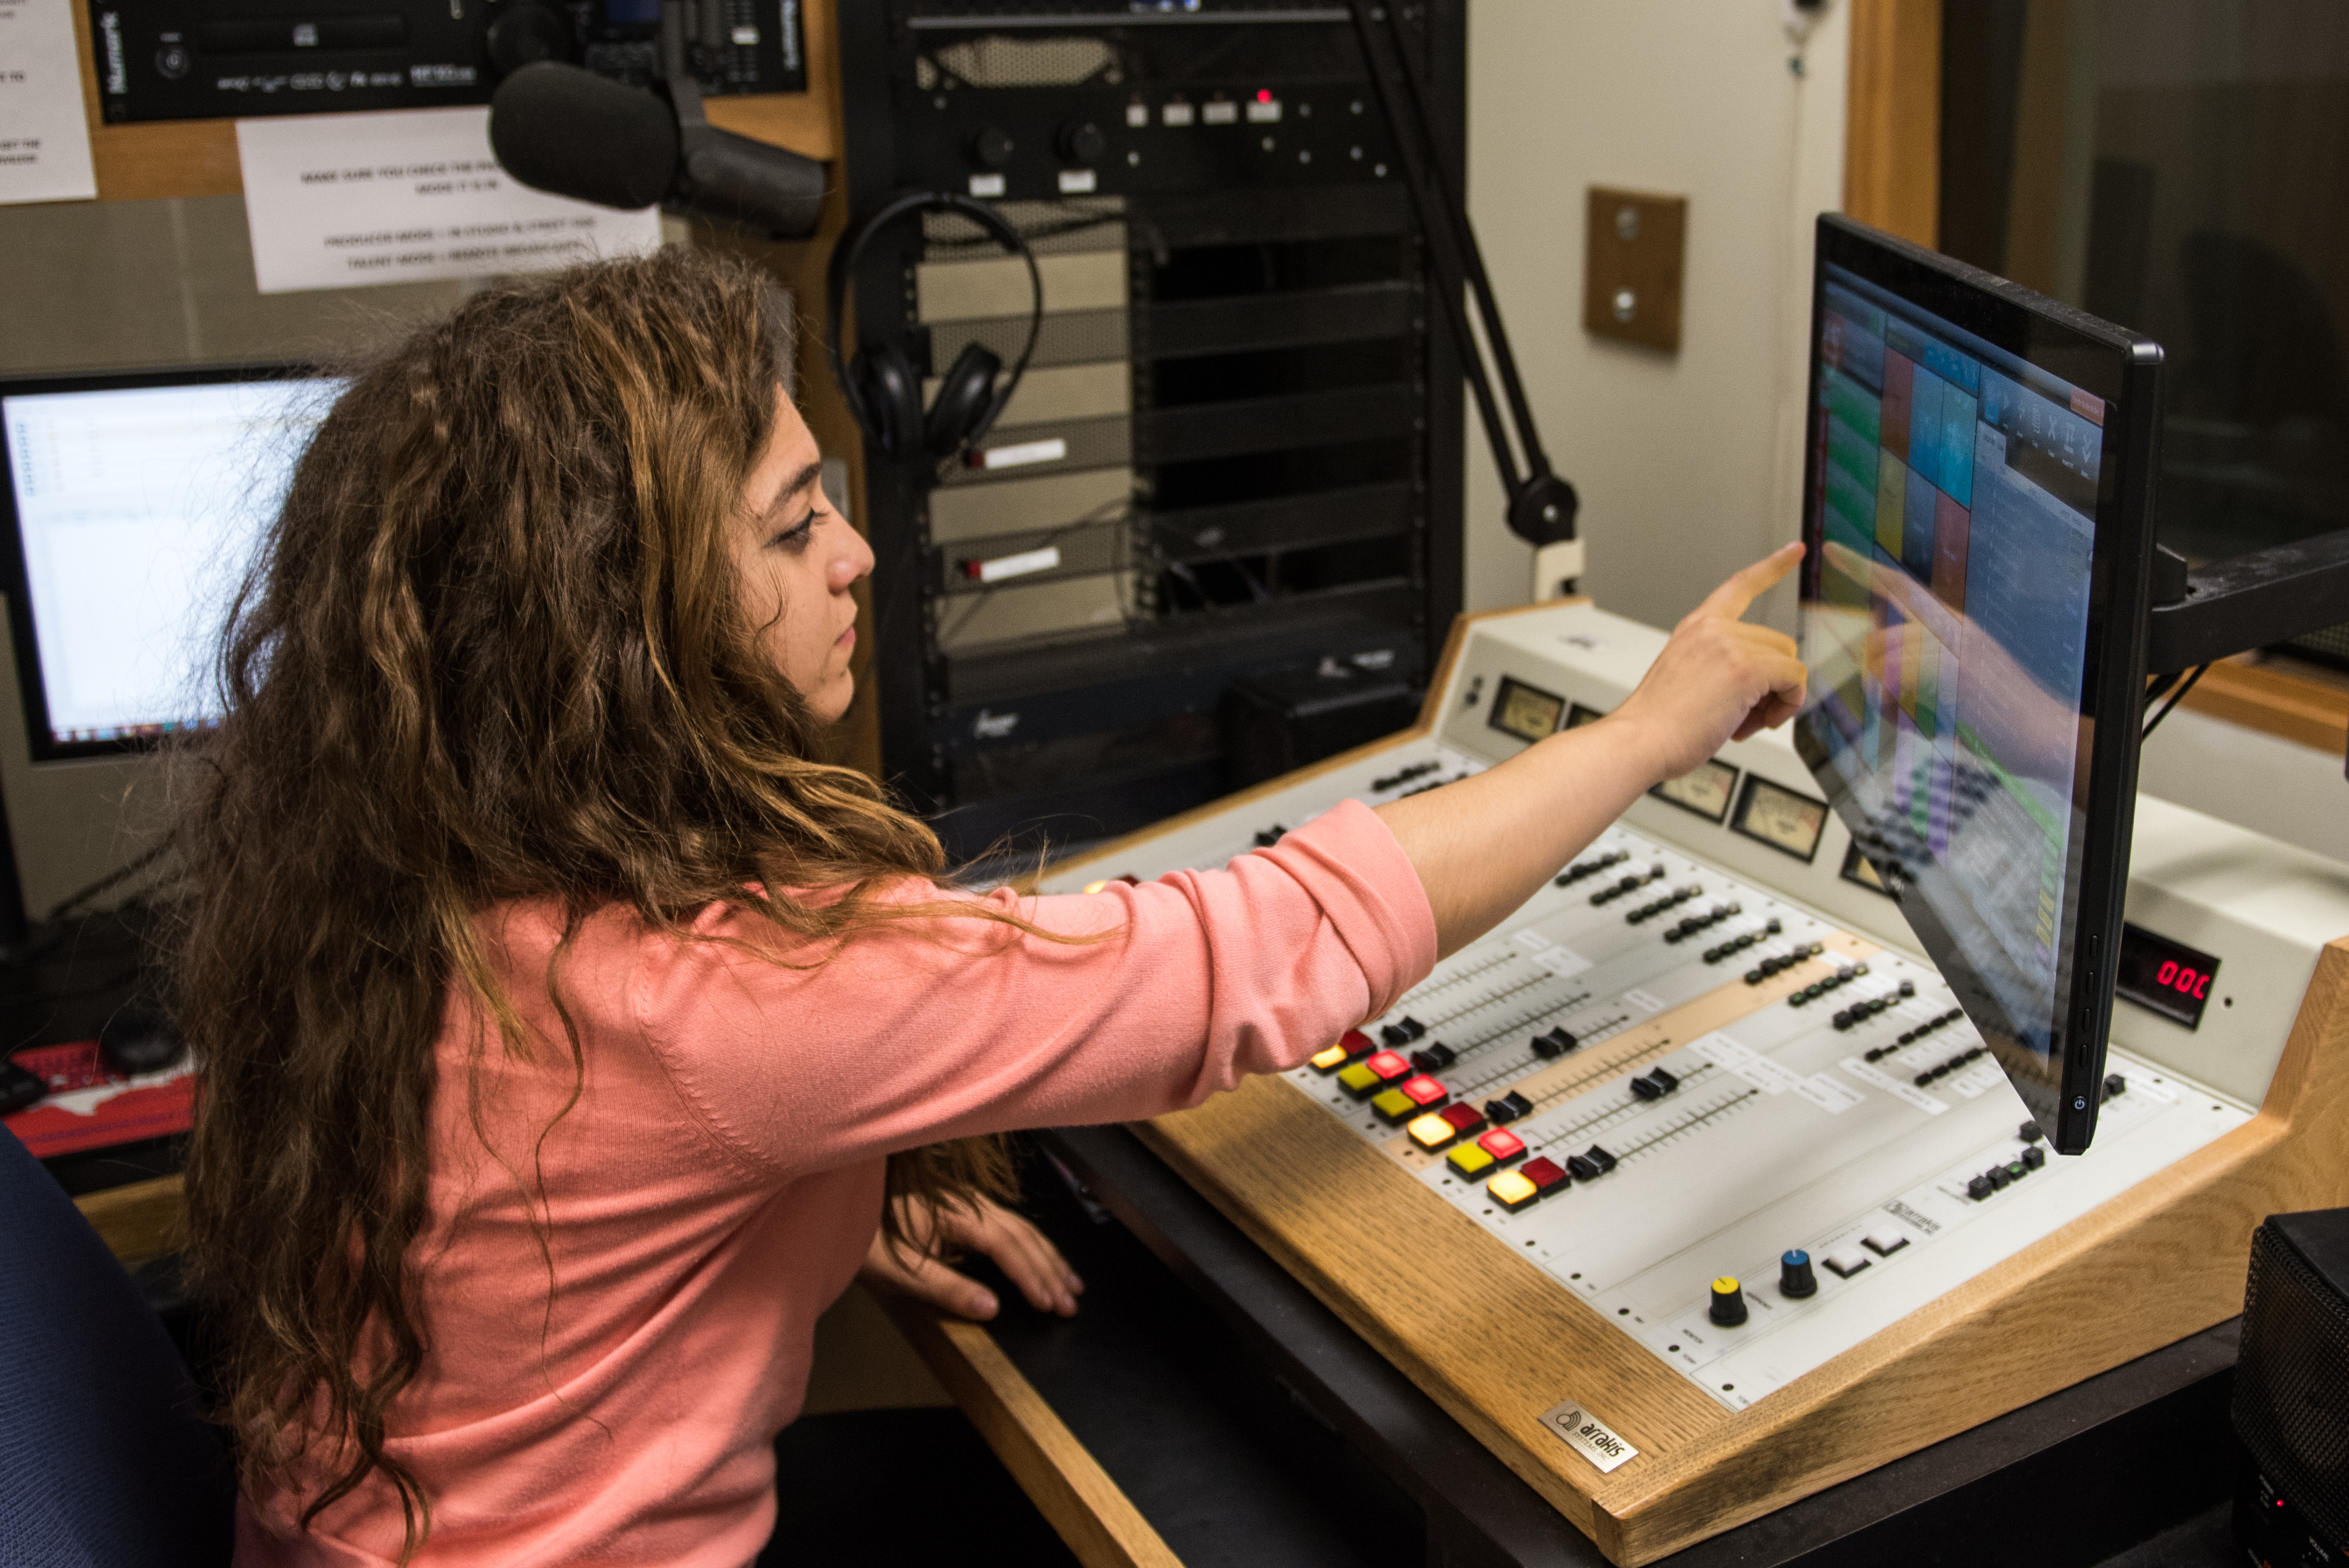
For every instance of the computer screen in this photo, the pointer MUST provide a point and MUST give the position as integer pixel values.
(1977, 504)
(134, 504)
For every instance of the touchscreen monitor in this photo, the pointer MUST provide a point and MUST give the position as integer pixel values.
(1977, 508)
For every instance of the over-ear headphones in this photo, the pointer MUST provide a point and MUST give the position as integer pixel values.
(881, 387)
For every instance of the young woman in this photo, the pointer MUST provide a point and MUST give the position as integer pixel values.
(573, 1037)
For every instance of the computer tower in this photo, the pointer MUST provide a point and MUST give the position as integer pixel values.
(2291, 1393)
(1237, 449)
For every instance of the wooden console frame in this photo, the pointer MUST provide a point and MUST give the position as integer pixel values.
(1498, 1343)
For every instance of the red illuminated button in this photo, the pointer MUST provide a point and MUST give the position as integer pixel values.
(1425, 1091)
(1502, 1144)
(1544, 1173)
(1464, 1118)
(1388, 1067)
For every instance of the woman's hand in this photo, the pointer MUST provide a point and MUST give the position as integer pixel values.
(1718, 679)
(1018, 1249)
(1482, 845)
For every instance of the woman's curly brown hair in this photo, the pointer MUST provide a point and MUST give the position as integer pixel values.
(491, 651)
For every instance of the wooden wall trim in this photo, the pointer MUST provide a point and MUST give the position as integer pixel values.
(1892, 118)
(160, 158)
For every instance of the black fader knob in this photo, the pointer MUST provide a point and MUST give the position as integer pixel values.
(1081, 143)
(1728, 1307)
(1795, 1279)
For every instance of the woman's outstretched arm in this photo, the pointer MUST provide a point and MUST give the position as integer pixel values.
(1483, 845)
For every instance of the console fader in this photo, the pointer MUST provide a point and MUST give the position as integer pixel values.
(1707, 1085)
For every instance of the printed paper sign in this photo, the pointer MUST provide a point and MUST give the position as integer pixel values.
(44, 139)
(340, 201)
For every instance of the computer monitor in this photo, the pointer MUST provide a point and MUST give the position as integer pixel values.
(1978, 505)
(134, 504)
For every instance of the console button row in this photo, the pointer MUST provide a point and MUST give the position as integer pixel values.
(1859, 1013)
(1705, 921)
(1632, 883)
(1818, 988)
(1784, 961)
(1673, 899)
(1930, 1026)
(1591, 868)
(1737, 944)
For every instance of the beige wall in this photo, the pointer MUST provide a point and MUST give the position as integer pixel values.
(1689, 464)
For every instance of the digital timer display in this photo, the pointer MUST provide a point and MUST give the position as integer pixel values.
(2164, 977)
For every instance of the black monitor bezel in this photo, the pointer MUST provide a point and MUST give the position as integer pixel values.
(2125, 369)
(15, 571)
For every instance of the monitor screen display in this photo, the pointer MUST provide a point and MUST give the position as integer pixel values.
(1977, 515)
(136, 505)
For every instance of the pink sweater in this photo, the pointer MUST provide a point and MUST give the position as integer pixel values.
(718, 1181)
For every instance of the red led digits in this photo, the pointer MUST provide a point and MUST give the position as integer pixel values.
(2166, 977)
(2186, 982)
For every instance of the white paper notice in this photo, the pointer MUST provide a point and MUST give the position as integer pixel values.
(44, 140)
(338, 201)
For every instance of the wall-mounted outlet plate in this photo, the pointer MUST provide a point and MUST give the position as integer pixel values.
(1633, 266)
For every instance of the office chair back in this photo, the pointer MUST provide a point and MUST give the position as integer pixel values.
(103, 1460)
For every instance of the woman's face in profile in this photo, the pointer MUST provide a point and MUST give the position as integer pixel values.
(795, 560)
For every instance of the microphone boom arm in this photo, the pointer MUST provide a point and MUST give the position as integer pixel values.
(1541, 504)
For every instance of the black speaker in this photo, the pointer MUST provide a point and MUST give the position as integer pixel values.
(2292, 1392)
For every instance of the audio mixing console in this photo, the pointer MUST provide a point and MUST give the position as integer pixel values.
(1706, 1083)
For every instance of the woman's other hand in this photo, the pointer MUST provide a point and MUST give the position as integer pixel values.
(1028, 1260)
(1718, 679)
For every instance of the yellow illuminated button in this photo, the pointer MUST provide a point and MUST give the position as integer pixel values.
(1512, 1191)
(1358, 1079)
(1469, 1160)
(1395, 1107)
(1331, 1061)
(1431, 1132)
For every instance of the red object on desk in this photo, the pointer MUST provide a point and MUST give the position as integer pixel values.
(91, 1107)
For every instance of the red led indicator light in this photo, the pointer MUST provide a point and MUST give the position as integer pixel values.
(1388, 1065)
(1264, 95)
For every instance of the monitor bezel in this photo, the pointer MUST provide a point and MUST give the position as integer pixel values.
(16, 579)
(2125, 369)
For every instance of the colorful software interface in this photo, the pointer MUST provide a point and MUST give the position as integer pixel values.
(1956, 506)
(137, 509)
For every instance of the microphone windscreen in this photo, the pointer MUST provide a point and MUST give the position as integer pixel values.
(560, 129)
